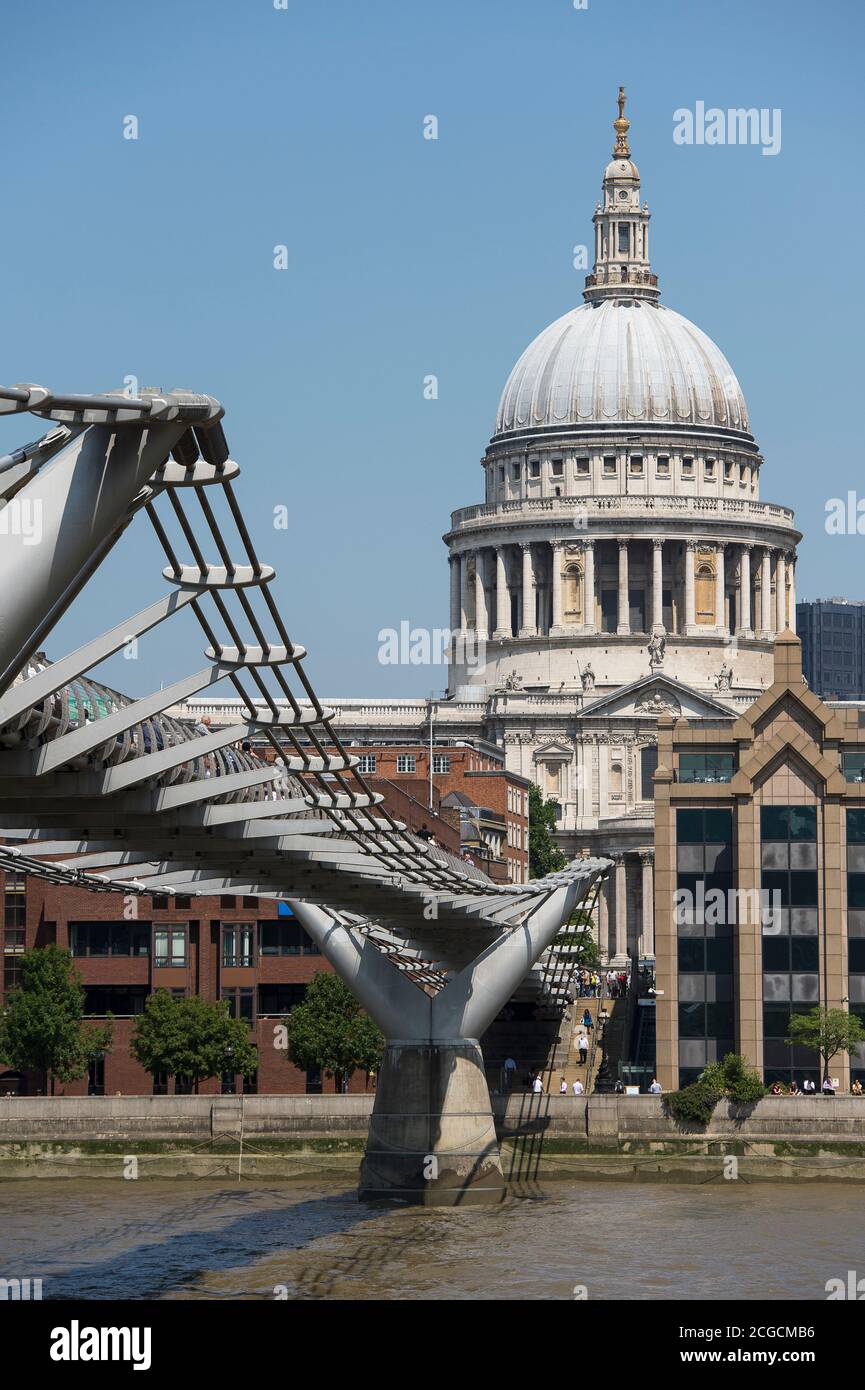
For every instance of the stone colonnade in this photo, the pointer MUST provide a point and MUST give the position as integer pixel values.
(630, 883)
(551, 587)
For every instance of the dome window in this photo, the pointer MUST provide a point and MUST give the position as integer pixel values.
(636, 466)
(582, 468)
(663, 467)
(709, 469)
(534, 468)
(610, 469)
(558, 468)
(687, 468)
(728, 472)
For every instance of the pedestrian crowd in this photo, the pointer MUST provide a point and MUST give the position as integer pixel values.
(809, 1087)
(617, 984)
(588, 984)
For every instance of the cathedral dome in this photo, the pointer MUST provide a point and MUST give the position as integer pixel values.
(626, 362)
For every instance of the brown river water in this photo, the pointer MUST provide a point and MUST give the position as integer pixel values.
(220, 1240)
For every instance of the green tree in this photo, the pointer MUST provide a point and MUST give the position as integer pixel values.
(579, 933)
(191, 1037)
(42, 1027)
(330, 1030)
(732, 1078)
(544, 856)
(827, 1031)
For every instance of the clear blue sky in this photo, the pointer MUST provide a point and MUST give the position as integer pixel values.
(406, 257)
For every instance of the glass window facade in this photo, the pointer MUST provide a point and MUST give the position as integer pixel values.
(790, 941)
(285, 939)
(704, 911)
(241, 1003)
(238, 944)
(170, 946)
(109, 938)
(856, 928)
(280, 999)
(648, 768)
(121, 1000)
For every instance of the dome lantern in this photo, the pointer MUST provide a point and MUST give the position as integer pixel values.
(621, 269)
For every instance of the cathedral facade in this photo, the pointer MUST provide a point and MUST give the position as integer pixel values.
(622, 564)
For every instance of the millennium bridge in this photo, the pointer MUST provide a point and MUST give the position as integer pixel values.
(108, 792)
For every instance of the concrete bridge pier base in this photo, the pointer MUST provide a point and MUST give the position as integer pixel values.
(432, 1138)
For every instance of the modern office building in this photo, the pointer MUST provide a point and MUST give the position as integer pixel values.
(833, 646)
(759, 879)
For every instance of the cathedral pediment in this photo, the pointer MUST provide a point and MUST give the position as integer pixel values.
(657, 695)
(554, 749)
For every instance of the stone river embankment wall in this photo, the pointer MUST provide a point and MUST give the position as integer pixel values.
(596, 1122)
(317, 1139)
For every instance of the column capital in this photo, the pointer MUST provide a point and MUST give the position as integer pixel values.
(691, 544)
(647, 856)
(657, 542)
(525, 545)
(624, 542)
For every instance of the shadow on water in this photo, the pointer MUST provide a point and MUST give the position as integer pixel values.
(153, 1268)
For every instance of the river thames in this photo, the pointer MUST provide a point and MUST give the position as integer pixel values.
(217, 1240)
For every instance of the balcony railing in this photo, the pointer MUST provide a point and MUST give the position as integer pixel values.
(742, 508)
(706, 767)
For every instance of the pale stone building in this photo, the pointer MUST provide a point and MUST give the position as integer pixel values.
(622, 564)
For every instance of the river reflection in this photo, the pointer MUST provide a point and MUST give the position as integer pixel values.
(215, 1240)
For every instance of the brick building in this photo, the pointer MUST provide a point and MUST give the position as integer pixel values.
(470, 791)
(245, 950)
